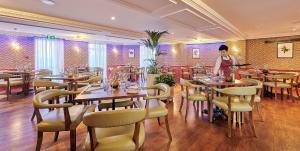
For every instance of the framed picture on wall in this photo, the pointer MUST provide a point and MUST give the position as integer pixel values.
(131, 53)
(285, 50)
(196, 53)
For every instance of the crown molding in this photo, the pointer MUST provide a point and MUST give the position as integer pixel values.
(6, 13)
(275, 35)
(209, 12)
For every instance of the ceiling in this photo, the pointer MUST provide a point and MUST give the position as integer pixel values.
(188, 21)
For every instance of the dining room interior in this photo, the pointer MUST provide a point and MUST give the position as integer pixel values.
(122, 75)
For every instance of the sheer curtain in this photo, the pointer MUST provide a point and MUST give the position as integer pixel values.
(145, 53)
(49, 54)
(97, 56)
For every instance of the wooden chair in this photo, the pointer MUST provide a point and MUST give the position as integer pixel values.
(115, 130)
(185, 73)
(91, 80)
(196, 96)
(8, 83)
(231, 105)
(63, 117)
(43, 85)
(281, 81)
(257, 99)
(155, 108)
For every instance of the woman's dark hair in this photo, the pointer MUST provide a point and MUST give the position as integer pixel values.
(223, 47)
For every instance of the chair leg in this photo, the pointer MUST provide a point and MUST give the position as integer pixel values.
(187, 109)
(39, 141)
(56, 136)
(281, 92)
(252, 123)
(168, 128)
(158, 120)
(32, 116)
(181, 104)
(275, 93)
(297, 92)
(73, 140)
(229, 124)
(202, 106)
(198, 108)
(291, 94)
(259, 111)
(211, 111)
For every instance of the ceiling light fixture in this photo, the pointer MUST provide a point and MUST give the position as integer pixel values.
(48, 2)
(113, 18)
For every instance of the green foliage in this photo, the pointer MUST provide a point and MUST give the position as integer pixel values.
(153, 70)
(165, 78)
(153, 41)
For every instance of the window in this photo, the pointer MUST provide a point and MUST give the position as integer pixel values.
(49, 54)
(145, 54)
(97, 56)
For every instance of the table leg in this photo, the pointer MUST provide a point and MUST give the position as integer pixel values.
(113, 104)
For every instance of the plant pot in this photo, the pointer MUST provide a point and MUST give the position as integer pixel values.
(151, 79)
(172, 93)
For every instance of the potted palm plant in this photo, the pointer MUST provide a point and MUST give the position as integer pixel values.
(152, 42)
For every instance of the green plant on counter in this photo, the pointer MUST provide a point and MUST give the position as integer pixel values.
(165, 78)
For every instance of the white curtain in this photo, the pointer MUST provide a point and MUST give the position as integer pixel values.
(145, 54)
(97, 56)
(49, 54)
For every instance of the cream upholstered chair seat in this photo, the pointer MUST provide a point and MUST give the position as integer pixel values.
(116, 138)
(156, 108)
(279, 84)
(117, 130)
(55, 120)
(236, 104)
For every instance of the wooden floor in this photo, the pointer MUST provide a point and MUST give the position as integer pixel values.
(280, 130)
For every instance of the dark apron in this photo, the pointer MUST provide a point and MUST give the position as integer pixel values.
(225, 67)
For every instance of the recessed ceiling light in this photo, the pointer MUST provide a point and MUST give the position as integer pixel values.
(113, 18)
(48, 2)
(172, 33)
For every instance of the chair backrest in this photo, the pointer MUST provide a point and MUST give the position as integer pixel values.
(114, 118)
(286, 76)
(45, 83)
(5, 76)
(258, 84)
(238, 91)
(184, 82)
(47, 95)
(94, 79)
(165, 89)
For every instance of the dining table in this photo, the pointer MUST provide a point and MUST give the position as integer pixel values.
(71, 80)
(217, 82)
(92, 93)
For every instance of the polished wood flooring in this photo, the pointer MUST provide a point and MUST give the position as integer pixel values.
(280, 130)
